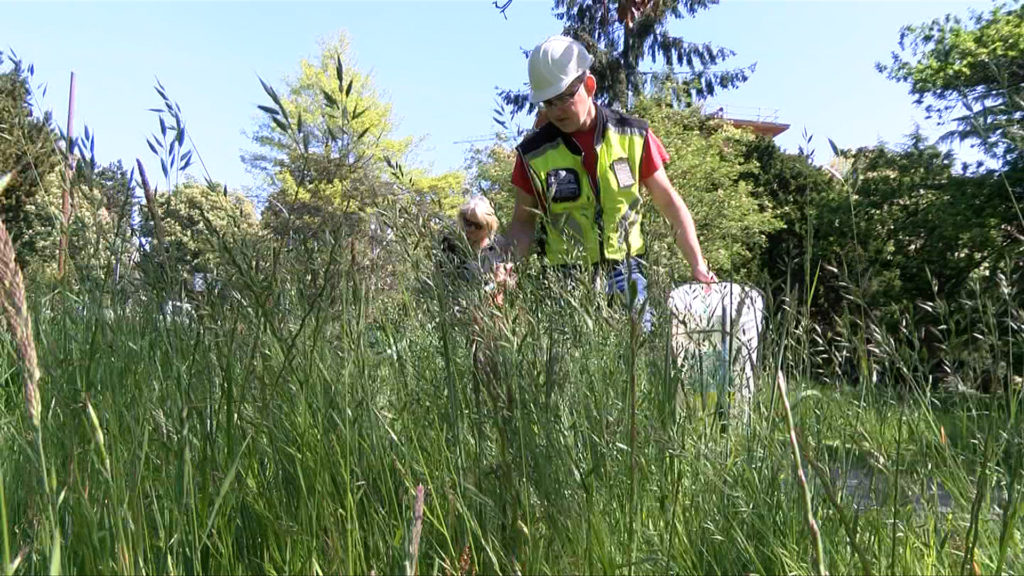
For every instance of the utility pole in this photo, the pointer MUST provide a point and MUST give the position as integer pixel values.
(69, 170)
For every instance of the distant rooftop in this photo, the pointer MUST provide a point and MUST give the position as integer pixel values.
(763, 121)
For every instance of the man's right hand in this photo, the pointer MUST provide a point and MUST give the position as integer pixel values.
(520, 231)
(504, 278)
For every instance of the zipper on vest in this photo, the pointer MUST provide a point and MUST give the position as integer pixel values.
(599, 131)
(598, 210)
(574, 147)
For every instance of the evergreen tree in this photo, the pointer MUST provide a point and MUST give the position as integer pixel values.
(638, 31)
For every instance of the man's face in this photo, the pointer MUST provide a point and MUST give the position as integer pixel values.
(569, 109)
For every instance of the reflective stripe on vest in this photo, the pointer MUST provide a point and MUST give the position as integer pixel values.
(584, 223)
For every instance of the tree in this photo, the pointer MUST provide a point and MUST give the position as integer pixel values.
(920, 227)
(706, 167)
(797, 190)
(197, 218)
(101, 244)
(334, 168)
(969, 73)
(489, 171)
(329, 132)
(29, 152)
(639, 31)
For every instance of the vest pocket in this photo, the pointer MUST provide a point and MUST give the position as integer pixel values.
(563, 185)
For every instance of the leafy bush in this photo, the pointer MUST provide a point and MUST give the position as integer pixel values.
(707, 162)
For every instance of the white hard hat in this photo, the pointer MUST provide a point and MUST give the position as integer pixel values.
(554, 64)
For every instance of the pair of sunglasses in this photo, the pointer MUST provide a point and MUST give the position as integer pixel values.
(471, 224)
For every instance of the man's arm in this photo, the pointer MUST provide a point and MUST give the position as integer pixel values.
(521, 229)
(678, 215)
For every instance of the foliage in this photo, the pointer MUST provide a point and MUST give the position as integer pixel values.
(969, 73)
(920, 227)
(285, 429)
(706, 164)
(797, 190)
(197, 220)
(489, 171)
(28, 150)
(442, 193)
(618, 48)
(117, 192)
(101, 245)
(333, 166)
(328, 128)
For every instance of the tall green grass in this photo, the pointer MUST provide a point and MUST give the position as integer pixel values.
(284, 424)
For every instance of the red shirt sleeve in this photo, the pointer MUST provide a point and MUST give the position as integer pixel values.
(654, 156)
(521, 178)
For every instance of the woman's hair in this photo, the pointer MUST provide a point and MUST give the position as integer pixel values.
(479, 209)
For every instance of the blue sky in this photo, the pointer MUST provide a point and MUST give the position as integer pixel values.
(438, 63)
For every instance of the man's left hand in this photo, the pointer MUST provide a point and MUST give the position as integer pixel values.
(704, 275)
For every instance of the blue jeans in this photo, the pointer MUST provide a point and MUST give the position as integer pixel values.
(631, 289)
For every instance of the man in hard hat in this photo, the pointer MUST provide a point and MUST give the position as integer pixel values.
(581, 174)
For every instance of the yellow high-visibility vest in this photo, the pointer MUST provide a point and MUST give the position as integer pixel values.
(585, 222)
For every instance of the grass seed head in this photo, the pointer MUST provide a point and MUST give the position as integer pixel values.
(12, 295)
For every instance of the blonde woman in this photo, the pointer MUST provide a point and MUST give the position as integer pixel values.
(475, 257)
(471, 261)
(479, 224)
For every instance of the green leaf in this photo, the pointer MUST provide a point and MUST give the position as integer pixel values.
(835, 149)
(55, 553)
(331, 101)
(281, 124)
(227, 481)
(152, 147)
(268, 110)
(270, 92)
(348, 89)
(339, 69)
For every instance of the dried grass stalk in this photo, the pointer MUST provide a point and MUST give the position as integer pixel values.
(12, 297)
(417, 528)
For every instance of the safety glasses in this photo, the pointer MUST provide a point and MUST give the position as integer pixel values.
(567, 96)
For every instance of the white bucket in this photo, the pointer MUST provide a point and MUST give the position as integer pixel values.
(715, 327)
